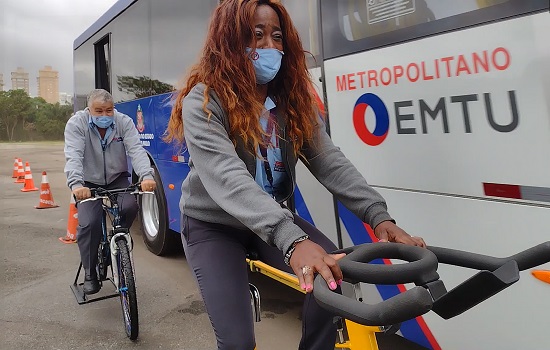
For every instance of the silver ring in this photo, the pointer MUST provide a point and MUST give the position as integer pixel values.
(305, 270)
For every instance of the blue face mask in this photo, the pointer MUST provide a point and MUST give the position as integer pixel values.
(266, 64)
(102, 121)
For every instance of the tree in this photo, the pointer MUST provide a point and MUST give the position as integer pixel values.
(142, 86)
(14, 107)
(49, 119)
(3, 105)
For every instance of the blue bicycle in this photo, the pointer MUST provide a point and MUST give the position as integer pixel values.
(115, 250)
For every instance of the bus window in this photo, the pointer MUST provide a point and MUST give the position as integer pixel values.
(307, 24)
(363, 18)
(178, 31)
(357, 25)
(131, 63)
(102, 53)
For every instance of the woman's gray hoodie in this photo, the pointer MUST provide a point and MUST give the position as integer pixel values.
(88, 161)
(220, 187)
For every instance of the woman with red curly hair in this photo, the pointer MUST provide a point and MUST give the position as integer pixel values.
(247, 115)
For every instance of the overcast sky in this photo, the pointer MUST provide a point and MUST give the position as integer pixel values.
(38, 33)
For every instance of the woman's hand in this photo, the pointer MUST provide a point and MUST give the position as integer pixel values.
(387, 231)
(309, 258)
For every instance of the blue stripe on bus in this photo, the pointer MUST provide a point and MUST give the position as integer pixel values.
(301, 207)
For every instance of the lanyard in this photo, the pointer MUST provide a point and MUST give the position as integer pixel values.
(263, 149)
(267, 167)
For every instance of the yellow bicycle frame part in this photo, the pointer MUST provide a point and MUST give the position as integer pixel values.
(360, 336)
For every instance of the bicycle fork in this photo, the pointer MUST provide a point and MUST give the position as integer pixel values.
(114, 254)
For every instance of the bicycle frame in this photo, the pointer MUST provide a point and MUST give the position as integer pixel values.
(106, 241)
(359, 336)
(110, 237)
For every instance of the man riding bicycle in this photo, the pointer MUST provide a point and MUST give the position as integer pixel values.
(97, 142)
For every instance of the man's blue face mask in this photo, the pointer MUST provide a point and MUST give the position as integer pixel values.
(267, 63)
(102, 121)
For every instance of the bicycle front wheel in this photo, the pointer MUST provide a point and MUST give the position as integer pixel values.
(127, 290)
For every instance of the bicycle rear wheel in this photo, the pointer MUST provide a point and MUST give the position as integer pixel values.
(127, 290)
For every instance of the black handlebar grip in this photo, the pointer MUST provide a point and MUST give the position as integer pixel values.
(421, 268)
(533, 257)
(402, 307)
(526, 259)
(467, 259)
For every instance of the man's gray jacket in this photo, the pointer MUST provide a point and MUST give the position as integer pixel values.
(88, 161)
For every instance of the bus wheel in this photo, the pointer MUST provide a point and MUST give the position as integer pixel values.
(158, 238)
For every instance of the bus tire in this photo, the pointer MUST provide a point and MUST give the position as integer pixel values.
(158, 237)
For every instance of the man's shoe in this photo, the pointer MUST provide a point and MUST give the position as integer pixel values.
(91, 285)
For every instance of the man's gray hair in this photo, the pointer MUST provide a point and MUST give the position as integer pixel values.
(99, 95)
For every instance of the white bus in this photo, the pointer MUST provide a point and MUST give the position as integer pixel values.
(443, 105)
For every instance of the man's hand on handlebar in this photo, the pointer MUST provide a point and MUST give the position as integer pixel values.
(387, 231)
(148, 185)
(81, 193)
(310, 258)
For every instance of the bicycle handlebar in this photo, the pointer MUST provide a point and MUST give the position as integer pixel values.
(101, 193)
(430, 293)
(405, 306)
(421, 268)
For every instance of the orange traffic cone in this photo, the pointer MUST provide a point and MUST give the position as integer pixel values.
(15, 168)
(20, 172)
(29, 182)
(72, 223)
(46, 198)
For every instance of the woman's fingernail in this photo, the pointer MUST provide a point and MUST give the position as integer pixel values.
(303, 286)
(308, 287)
(332, 285)
(339, 282)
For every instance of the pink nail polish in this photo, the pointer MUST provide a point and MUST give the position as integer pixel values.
(339, 282)
(332, 285)
(303, 286)
(308, 287)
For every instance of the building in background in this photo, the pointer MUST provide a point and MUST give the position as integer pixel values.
(20, 80)
(48, 84)
(1, 82)
(65, 98)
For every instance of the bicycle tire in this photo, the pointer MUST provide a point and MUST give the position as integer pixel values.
(127, 290)
(157, 235)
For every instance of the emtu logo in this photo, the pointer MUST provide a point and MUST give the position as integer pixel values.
(382, 119)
